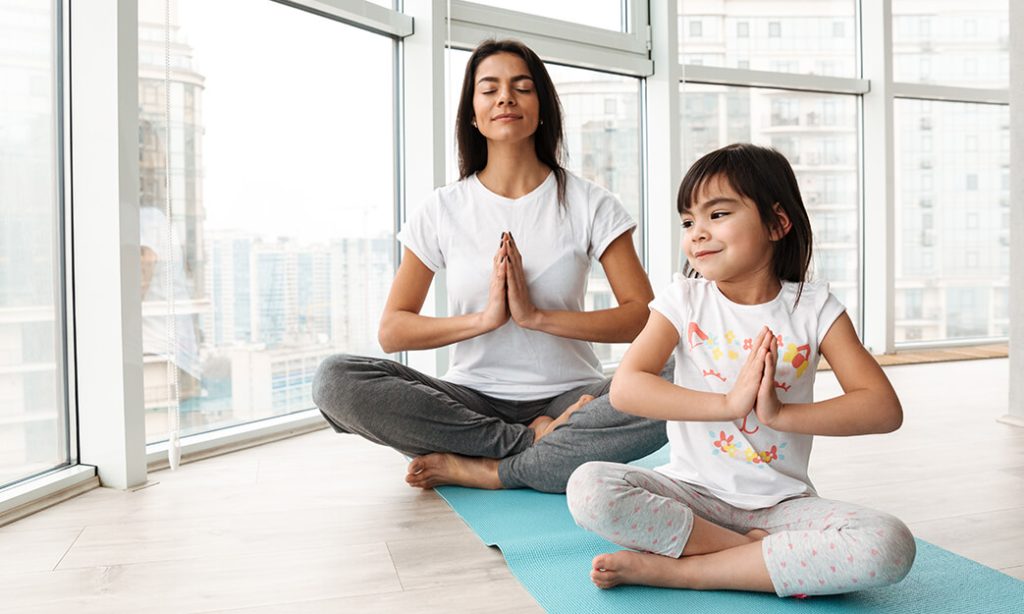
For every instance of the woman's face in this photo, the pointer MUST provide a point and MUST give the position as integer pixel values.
(505, 103)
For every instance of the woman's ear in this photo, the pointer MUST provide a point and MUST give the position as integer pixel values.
(782, 223)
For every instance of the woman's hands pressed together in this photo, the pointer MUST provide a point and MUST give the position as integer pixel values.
(521, 309)
(496, 312)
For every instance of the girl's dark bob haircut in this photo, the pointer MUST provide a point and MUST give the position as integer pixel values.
(764, 176)
(547, 140)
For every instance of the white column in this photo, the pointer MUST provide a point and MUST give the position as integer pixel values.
(104, 191)
(423, 101)
(879, 192)
(1016, 413)
(664, 168)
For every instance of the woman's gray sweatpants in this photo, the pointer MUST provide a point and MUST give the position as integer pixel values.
(397, 406)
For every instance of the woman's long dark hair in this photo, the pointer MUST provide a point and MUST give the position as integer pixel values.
(764, 176)
(547, 140)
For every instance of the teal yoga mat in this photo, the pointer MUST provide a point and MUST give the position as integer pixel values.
(551, 556)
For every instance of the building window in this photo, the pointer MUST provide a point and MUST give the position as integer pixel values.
(742, 29)
(696, 28)
(774, 29)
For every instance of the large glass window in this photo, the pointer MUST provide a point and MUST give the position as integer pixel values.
(274, 246)
(951, 42)
(798, 36)
(33, 425)
(601, 119)
(818, 134)
(606, 14)
(952, 212)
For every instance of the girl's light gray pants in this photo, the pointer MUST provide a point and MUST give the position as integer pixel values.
(397, 406)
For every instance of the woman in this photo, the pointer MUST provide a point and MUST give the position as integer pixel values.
(510, 411)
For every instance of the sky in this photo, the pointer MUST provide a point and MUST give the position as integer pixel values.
(297, 111)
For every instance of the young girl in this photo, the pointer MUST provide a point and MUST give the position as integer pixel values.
(734, 508)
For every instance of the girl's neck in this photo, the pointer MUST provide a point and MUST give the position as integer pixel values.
(513, 170)
(761, 287)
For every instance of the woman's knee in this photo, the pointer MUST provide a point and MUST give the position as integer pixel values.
(337, 387)
(590, 489)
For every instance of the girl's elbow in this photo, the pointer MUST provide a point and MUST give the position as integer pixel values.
(894, 417)
(617, 394)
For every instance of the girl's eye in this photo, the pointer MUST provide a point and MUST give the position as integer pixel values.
(687, 223)
(718, 214)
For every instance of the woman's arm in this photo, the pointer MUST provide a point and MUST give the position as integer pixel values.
(619, 324)
(403, 328)
(868, 403)
(638, 389)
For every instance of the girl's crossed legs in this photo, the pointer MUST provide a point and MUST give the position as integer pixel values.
(687, 538)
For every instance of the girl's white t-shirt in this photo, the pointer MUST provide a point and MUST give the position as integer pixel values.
(459, 229)
(743, 462)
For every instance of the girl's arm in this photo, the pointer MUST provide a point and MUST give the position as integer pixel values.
(616, 325)
(868, 403)
(403, 328)
(637, 387)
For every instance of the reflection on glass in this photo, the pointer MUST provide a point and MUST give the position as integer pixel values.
(606, 14)
(601, 118)
(817, 37)
(950, 42)
(818, 134)
(33, 432)
(278, 250)
(952, 220)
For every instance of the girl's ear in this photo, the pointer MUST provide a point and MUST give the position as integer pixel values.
(782, 223)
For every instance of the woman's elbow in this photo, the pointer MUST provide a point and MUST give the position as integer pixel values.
(386, 336)
(637, 321)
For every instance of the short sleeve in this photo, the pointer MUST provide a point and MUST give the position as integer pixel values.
(828, 309)
(609, 222)
(420, 234)
(673, 303)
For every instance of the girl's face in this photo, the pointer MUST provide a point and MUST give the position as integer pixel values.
(505, 102)
(723, 235)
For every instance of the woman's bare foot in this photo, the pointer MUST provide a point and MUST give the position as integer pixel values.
(441, 469)
(627, 567)
(756, 535)
(547, 427)
(540, 427)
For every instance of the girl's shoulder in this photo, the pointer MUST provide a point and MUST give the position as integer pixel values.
(811, 296)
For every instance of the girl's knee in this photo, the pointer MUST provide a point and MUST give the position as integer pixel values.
(899, 547)
(588, 490)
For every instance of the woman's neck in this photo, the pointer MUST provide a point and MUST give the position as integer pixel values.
(512, 171)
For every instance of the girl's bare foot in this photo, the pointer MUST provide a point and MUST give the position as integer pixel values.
(551, 425)
(441, 469)
(627, 567)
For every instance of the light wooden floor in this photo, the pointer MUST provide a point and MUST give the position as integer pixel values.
(324, 522)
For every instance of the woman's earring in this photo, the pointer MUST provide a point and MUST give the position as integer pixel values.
(542, 122)
(473, 121)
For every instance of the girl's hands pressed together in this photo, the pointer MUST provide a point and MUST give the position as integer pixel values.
(768, 405)
(496, 313)
(522, 310)
(745, 393)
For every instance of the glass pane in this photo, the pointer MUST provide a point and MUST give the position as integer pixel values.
(817, 37)
(818, 134)
(952, 220)
(951, 42)
(33, 429)
(279, 249)
(601, 119)
(607, 14)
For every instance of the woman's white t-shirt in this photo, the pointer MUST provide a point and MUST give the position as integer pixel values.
(459, 229)
(743, 462)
